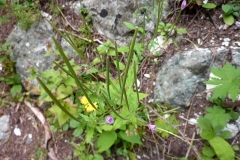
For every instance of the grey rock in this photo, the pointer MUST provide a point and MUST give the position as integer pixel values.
(108, 16)
(235, 56)
(181, 76)
(4, 129)
(232, 128)
(29, 48)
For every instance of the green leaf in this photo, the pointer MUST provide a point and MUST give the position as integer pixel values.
(78, 131)
(181, 31)
(129, 25)
(89, 135)
(207, 131)
(208, 151)
(222, 148)
(217, 116)
(121, 65)
(225, 134)
(134, 139)
(106, 140)
(235, 148)
(209, 5)
(123, 49)
(161, 123)
(15, 90)
(132, 155)
(228, 19)
(107, 127)
(226, 8)
(228, 82)
(236, 14)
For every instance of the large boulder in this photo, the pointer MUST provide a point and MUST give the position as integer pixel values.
(29, 48)
(182, 76)
(108, 16)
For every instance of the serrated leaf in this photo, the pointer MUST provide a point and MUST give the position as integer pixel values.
(89, 135)
(106, 140)
(228, 84)
(15, 90)
(228, 19)
(207, 131)
(222, 148)
(217, 116)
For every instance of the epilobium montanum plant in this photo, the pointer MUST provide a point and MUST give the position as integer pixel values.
(227, 84)
(101, 113)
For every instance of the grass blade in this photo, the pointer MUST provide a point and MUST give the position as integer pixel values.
(129, 60)
(72, 72)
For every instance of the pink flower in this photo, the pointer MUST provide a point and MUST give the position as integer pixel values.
(183, 5)
(152, 127)
(109, 120)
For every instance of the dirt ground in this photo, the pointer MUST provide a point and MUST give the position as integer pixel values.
(202, 26)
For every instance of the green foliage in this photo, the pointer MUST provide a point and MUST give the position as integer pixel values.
(228, 82)
(209, 5)
(222, 148)
(161, 123)
(217, 116)
(27, 14)
(230, 11)
(10, 76)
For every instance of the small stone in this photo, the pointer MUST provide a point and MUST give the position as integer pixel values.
(4, 129)
(29, 139)
(138, 157)
(192, 121)
(226, 39)
(225, 44)
(0, 66)
(147, 75)
(237, 24)
(17, 131)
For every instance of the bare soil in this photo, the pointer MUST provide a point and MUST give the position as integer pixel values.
(202, 26)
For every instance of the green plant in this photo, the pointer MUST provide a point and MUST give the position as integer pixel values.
(230, 11)
(78, 107)
(27, 14)
(226, 84)
(10, 76)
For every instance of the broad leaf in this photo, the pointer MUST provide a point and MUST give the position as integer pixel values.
(226, 8)
(106, 140)
(134, 139)
(228, 19)
(209, 5)
(222, 148)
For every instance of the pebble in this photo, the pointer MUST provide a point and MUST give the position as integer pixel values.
(147, 75)
(192, 121)
(0, 66)
(237, 23)
(17, 131)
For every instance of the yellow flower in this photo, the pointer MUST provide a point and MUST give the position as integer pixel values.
(87, 105)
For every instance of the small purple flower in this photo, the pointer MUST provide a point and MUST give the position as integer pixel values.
(152, 127)
(109, 120)
(183, 5)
